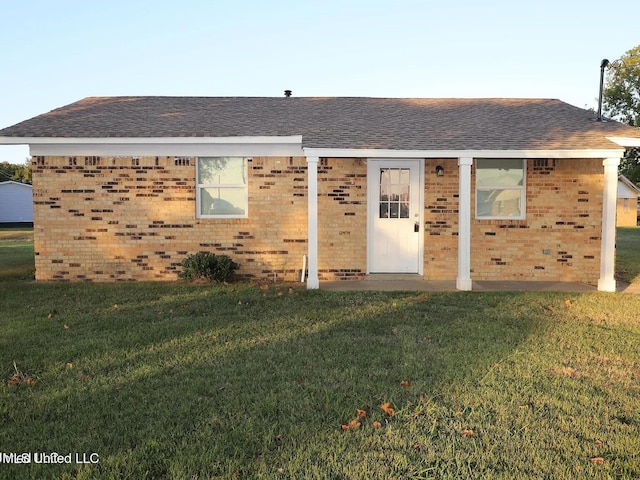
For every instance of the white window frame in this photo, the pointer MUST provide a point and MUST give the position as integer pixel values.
(201, 186)
(522, 188)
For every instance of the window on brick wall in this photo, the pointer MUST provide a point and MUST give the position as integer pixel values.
(500, 189)
(222, 187)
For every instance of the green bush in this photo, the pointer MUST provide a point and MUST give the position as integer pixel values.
(209, 266)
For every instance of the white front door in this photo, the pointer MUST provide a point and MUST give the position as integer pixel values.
(395, 216)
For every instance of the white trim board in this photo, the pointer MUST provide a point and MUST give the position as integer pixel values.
(625, 141)
(169, 150)
(404, 154)
(162, 146)
(272, 146)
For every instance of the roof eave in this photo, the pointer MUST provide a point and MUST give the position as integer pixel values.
(290, 145)
(626, 142)
(509, 153)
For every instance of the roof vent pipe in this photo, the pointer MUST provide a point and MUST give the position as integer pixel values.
(603, 65)
(287, 93)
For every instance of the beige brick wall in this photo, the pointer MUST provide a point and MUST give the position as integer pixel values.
(559, 240)
(441, 220)
(121, 219)
(342, 223)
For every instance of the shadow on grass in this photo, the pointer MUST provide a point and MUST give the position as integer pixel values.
(168, 382)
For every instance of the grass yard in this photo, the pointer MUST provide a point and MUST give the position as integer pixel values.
(16, 254)
(628, 254)
(179, 381)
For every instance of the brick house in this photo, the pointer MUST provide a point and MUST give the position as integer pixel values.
(627, 209)
(447, 189)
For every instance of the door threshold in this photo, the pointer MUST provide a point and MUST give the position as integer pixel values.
(394, 276)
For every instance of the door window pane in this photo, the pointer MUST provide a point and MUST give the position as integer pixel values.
(394, 192)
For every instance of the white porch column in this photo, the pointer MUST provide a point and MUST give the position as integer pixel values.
(607, 282)
(312, 229)
(463, 281)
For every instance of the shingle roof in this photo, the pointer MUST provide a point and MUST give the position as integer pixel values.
(336, 122)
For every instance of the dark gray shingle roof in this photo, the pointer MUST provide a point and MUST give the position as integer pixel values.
(336, 122)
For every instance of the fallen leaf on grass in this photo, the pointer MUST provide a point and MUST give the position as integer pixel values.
(354, 424)
(344, 427)
(405, 383)
(18, 378)
(361, 413)
(388, 409)
(467, 432)
(376, 424)
(568, 303)
(51, 314)
(599, 442)
(597, 460)
(66, 327)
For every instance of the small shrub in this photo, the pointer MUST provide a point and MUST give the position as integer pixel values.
(209, 266)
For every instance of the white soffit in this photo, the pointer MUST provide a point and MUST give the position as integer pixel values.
(374, 153)
(625, 141)
(161, 146)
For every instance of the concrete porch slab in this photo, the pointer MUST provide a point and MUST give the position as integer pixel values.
(392, 282)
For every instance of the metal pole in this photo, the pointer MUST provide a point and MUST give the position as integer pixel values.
(603, 65)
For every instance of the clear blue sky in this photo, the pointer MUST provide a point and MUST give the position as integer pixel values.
(57, 52)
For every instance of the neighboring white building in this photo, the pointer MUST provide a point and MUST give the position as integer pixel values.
(16, 202)
(627, 208)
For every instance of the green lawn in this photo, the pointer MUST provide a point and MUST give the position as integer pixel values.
(171, 380)
(16, 254)
(628, 254)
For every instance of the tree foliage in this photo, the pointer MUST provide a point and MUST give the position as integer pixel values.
(622, 90)
(621, 101)
(15, 172)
